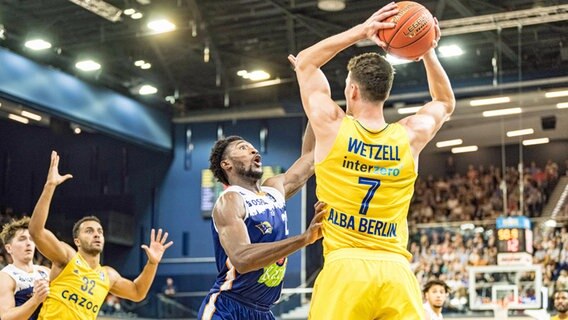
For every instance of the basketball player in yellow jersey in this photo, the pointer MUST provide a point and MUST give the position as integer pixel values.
(79, 284)
(365, 171)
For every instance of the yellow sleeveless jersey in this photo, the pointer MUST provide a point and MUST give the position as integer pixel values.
(367, 181)
(77, 293)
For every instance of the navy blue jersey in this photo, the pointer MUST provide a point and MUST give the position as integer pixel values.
(266, 221)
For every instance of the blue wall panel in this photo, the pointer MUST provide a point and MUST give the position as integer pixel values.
(58, 93)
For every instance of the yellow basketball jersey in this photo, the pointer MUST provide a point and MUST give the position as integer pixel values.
(367, 180)
(78, 292)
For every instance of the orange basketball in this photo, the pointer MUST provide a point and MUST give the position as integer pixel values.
(413, 34)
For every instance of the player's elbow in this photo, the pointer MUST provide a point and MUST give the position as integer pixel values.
(242, 266)
(450, 105)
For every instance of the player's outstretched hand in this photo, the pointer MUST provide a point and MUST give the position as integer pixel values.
(53, 176)
(157, 246)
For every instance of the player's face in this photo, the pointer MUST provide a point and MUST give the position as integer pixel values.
(436, 296)
(22, 247)
(91, 238)
(561, 302)
(246, 160)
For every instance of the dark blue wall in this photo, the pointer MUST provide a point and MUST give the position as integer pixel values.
(108, 175)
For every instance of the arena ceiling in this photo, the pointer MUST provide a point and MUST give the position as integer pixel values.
(195, 66)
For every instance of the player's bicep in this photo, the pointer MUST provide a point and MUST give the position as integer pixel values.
(56, 251)
(7, 293)
(228, 216)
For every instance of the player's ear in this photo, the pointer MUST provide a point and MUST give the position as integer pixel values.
(225, 164)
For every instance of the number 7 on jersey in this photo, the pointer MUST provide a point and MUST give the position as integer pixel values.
(375, 184)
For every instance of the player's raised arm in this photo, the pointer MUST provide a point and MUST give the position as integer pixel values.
(47, 243)
(138, 289)
(429, 119)
(296, 176)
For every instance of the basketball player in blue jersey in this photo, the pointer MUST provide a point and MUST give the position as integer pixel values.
(250, 230)
(365, 172)
(23, 284)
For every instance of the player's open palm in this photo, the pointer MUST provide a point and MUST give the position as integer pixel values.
(313, 233)
(53, 176)
(157, 246)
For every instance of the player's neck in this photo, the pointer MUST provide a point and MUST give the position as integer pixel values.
(25, 266)
(248, 184)
(563, 315)
(370, 115)
(92, 260)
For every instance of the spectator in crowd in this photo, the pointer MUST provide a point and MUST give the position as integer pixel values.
(169, 288)
(561, 305)
(435, 294)
(111, 305)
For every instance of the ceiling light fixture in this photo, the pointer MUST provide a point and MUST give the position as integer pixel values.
(502, 112)
(101, 8)
(146, 66)
(139, 63)
(464, 149)
(451, 50)
(37, 44)
(562, 105)
(408, 110)
(489, 101)
(30, 115)
(531, 142)
(396, 61)
(331, 5)
(522, 132)
(147, 90)
(449, 143)
(129, 11)
(137, 15)
(88, 65)
(161, 26)
(255, 75)
(556, 94)
(18, 118)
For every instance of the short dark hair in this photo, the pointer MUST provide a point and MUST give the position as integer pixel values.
(436, 282)
(217, 155)
(77, 224)
(9, 229)
(374, 75)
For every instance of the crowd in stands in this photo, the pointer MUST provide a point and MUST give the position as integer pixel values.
(477, 196)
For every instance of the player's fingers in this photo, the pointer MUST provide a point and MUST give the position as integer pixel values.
(164, 238)
(159, 236)
(152, 235)
(169, 244)
(387, 7)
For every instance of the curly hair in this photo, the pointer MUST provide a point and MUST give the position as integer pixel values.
(77, 224)
(374, 74)
(217, 155)
(9, 229)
